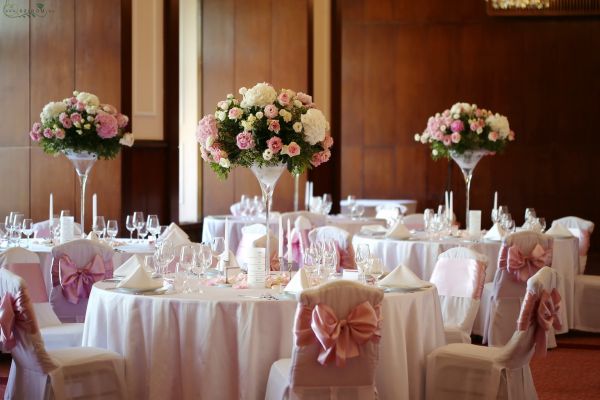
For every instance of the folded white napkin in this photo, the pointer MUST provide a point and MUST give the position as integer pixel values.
(302, 223)
(173, 227)
(373, 229)
(495, 233)
(140, 279)
(559, 230)
(92, 236)
(233, 263)
(129, 266)
(177, 238)
(298, 283)
(402, 277)
(398, 231)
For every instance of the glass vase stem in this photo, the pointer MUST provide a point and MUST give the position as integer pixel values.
(83, 178)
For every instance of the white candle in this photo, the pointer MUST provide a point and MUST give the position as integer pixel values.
(280, 244)
(474, 223)
(289, 243)
(310, 193)
(451, 213)
(496, 200)
(51, 216)
(226, 255)
(446, 201)
(306, 194)
(94, 207)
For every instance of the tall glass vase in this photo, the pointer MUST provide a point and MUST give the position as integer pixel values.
(83, 162)
(267, 178)
(467, 162)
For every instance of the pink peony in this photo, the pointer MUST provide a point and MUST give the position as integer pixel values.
(493, 136)
(36, 128)
(76, 118)
(106, 125)
(292, 149)
(122, 120)
(455, 137)
(271, 111)
(447, 140)
(283, 99)
(35, 136)
(328, 142)
(304, 98)
(48, 133)
(65, 120)
(244, 140)
(207, 127)
(80, 106)
(274, 125)
(474, 126)
(320, 158)
(274, 144)
(235, 113)
(457, 126)
(73, 100)
(59, 133)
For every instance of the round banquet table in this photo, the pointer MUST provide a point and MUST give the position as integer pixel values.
(220, 344)
(420, 255)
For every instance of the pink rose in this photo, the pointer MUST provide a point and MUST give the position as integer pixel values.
(455, 137)
(235, 113)
(328, 142)
(48, 133)
(320, 158)
(474, 126)
(76, 118)
(493, 136)
(304, 98)
(457, 126)
(65, 120)
(207, 127)
(223, 105)
(447, 140)
(204, 154)
(292, 149)
(511, 136)
(274, 125)
(106, 125)
(80, 106)
(325, 155)
(35, 136)
(122, 120)
(244, 140)
(73, 100)
(283, 99)
(37, 127)
(274, 144)
(271, 111)
(218, 154)
(59, 133)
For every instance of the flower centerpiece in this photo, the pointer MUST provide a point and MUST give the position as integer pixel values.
(83, 129)
(266, 131)
(466, 133)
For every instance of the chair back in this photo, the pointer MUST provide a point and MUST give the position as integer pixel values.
(389, 212)
(539, 312)
(314, 218)
(523, 253)
(299, 239)
(414, 221)
(336, 341)
(582, 230)
(20, 332)
(459, 276)
(76, 266)
(254, 236)
(26, 264)
(341, 238)
(41, 229)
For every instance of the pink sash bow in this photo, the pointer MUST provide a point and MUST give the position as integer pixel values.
(339, 339)
(77, 282)
(543, 311)
(524, 267)
(12, 314)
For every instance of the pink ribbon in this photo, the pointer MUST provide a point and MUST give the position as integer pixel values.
(524, 267)
(339, 339)
(13, 313)
(543, 311)
(77, 282)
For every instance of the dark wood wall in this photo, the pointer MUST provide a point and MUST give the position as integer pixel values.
(243, 43)
(402, 61)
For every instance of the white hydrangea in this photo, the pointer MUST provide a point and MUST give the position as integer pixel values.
(88, 99)
(259, 96)
(499, 123)
(52, 110)
(315, 124)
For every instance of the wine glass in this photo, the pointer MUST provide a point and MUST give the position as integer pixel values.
(28, 229)
(143, 232)
(150, 264)
(327, 203)
(376, 269)
(309, 263)
(427, 219)
(186, 262)
(165, 254)
(138, 221)
(153, 225)
(218, 248)
(258, 205)
(362, 257)
(17, 227)
(205, 254)
(3, 233)
(130, 226)
(112, 229)
(529, 214)
(542, 224)
(99, 226)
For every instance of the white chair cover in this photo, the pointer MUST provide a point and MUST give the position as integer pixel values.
(389, 212)
(587, 303)
(314, 218)
(414, 221)
(466, 371)
(342, 239)
(41, 229)
(459, 276)
(508, 292)
(582, 229)
(26, 264)
(61, 374)
(304, 376)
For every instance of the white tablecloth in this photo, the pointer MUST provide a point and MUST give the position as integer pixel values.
(420, 255)
(371, 204)
(219, 345)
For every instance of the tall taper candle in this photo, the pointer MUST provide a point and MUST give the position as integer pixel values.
(289, 244)
(446, 201)
(51, 216)
(306, 194)
(451, 212)
(226, 256)
(280, 238)
(94, 208)
(495, 200)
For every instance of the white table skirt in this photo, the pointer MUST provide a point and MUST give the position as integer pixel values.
(219, 345)
(421, 255)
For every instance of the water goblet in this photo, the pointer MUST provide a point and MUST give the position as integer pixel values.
(376, 269)
(112, 229)
(28, 229)
(143, 232)
(153, 225)
(99, 226)
(362, 257)
(138, 221)
(130, 226)
(17, 227)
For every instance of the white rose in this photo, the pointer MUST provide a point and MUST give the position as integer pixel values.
(52, 110)
(90, 118)
(220, 115)
(260, 95)
(297, 127)
(267, 155)
(91, 109)
(79, 131)
(297, 103)
(499, 123)
(230, 96)
(247, 124)
(315, 124)
(224, 162)
(417, 137)
(434, 152)
(251, 118)
(87, 126)
(242, 90)
(259, 115)
(88, 99)
(210, 140)
(127, 140)
(455, 109)
(287, 116)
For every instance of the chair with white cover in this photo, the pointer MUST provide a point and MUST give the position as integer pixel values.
(315, 219)
(76, 266)
(466, 371)
(342, 240)
(254, 236)
(582, 230)
(522, 254)
(414, 221)
(459, 275)
(299, 238)
(82, 372)
(336, 345)
(41, 230)
(26, 264)
(389, 212)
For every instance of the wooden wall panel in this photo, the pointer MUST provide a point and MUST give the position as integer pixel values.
(540, 73)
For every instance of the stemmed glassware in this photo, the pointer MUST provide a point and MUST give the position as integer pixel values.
(164, 255)
(330, 258)
(28, 229)
(99, 226)
(17, 226)
(218, 247)
(112, 229)
(138, 221)
(186, 263)
(376, 269)
(130, 226)
(143, 232)
(3, 233)
(362, 258)
(153, 225)
(206, 257)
